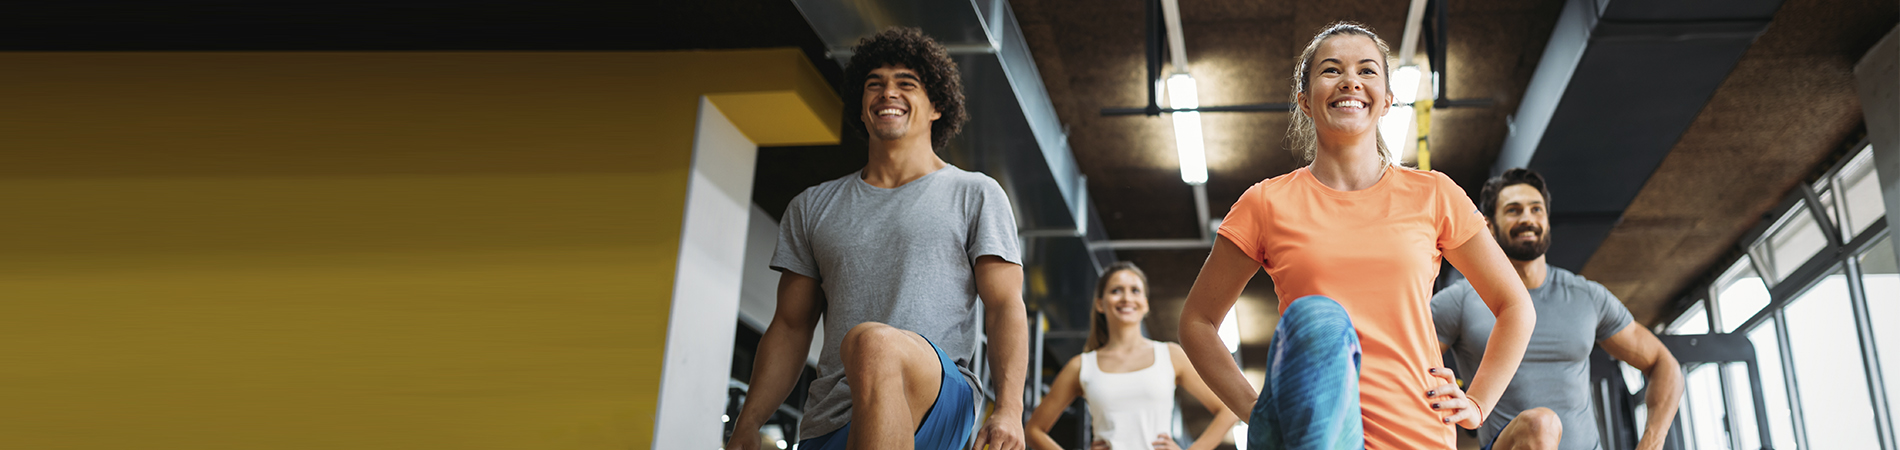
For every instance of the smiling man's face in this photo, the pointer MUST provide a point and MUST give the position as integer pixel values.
(896, 105)
(1522, 222)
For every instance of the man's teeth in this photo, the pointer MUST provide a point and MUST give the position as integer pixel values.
(890, 112)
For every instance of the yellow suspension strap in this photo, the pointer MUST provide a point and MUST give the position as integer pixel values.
(1423, 108)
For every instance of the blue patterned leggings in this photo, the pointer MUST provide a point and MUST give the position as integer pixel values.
(1311, 397)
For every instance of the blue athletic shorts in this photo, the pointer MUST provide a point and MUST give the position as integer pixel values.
(947, 426)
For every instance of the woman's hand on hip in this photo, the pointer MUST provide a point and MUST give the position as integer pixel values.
(1164, 442)
(1451, 403)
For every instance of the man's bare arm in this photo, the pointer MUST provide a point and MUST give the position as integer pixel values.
(1000, 284)
(1639, 348)
(782, 353)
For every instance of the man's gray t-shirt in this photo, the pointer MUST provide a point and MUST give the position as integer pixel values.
(1572, 315)
(904, 257)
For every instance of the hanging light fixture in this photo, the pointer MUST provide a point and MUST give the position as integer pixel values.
(1187, 128)
(1397, 123)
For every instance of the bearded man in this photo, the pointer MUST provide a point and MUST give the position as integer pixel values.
(1547, 405)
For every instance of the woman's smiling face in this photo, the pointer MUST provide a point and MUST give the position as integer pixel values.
(1125, 298)
(1346, 88)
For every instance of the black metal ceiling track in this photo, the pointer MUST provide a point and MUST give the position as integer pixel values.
(1157, 30)
(1595, 122)
(1435, 26)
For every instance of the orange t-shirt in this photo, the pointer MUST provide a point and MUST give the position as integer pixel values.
(1376, 252)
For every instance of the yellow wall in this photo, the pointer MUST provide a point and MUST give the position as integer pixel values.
(342, 250)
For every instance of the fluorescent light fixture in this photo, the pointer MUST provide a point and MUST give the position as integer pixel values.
(1395, 127)
(1229, 330)
(1405, 85)
(1181, 92)
(1187, 128)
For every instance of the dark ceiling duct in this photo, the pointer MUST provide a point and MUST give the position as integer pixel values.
(1618, 84)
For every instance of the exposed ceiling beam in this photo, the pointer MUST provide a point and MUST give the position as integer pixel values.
(1409, 43)
(1595, 128)
(1171, 11)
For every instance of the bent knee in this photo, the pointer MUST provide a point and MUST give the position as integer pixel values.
(1318, 314)
(867, 339)
(1315, 308)
(1542, 423)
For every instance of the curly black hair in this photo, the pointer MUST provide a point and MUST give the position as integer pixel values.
(1488, 196)
(910, 48)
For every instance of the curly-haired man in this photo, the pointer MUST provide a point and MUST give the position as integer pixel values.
(895, 258)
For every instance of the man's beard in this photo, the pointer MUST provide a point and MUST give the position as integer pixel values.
(1525, 251)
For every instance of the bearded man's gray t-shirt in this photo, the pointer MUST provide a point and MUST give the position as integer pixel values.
(1573, 314)
(904, 257)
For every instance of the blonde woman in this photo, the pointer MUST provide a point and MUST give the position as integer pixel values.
(1353, 243)
(1128, 380)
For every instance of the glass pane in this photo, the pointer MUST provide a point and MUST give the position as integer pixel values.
(1703, 426)
(1774, 387)
(1882, 282)
(1792, 244)
(1632, 378)
(1740, 295)
(1860, 189)
(1828, 369)
(1642, 418)
(1696, 321)
(1826, 194)
(1742, 399)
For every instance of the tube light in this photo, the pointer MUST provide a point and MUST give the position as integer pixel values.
(1405, 85)
(1187, 128)
(1396, 126)
(1229, 330)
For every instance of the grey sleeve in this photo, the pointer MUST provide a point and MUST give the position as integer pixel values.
(794, 252)
(1612, 316)
(993, 229)
(1448, 313)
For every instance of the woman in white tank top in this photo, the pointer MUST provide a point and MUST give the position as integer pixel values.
(1127, 379)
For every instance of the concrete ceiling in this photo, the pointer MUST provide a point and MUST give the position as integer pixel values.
(1787, 112)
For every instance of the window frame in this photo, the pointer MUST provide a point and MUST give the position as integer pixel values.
(1841, 253)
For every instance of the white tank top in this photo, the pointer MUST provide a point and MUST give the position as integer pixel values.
(1128, 409)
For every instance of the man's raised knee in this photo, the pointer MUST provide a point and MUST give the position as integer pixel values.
(868, 338)
(1545, 428)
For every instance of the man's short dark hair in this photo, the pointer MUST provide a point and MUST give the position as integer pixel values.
(1488, 197)
(910, 48)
